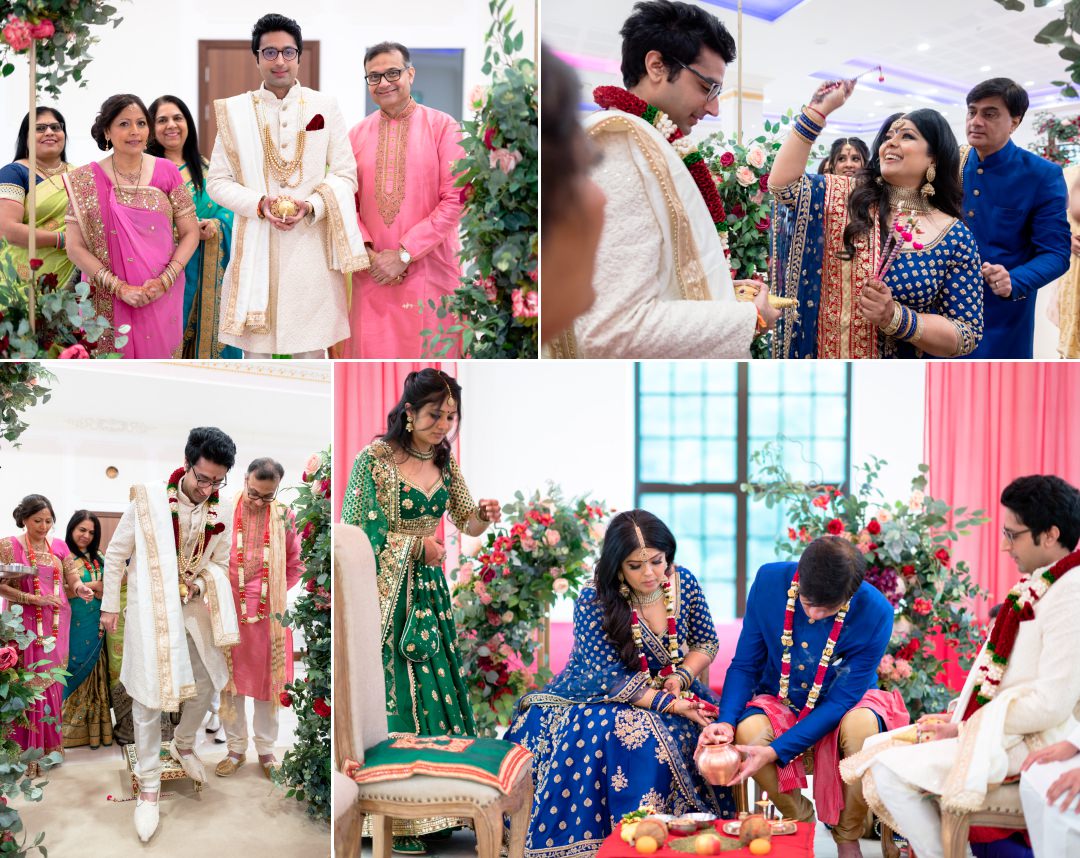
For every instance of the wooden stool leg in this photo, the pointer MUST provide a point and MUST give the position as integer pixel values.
(489, 825)
(382, 827)
(954, 834)
(889, 849)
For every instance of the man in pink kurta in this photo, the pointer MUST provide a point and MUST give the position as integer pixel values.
(266, 553)
(409, 213)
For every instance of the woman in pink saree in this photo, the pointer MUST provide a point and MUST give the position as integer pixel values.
(121, 214)
(45, 611)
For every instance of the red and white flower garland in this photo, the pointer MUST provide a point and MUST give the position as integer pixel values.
(788, 641)
(671, 638)
(264, 589)
(190, 565)
(38, 610)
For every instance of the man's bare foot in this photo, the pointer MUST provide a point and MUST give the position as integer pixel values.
(848, 849)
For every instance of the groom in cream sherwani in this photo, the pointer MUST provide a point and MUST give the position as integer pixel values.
(283, 163)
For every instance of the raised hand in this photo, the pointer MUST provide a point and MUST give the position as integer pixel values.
(829, 96)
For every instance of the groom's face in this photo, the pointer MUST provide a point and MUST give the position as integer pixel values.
(686, 99)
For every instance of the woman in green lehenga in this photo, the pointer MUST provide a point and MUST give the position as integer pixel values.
(399, 489)
(86, 719)
(173, 136)
(51, 136)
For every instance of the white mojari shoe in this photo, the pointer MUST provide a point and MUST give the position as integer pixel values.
(190, 763)
(146, 819)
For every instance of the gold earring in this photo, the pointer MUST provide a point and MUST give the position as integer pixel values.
(624, 590)
(927, 190)
(409, 424)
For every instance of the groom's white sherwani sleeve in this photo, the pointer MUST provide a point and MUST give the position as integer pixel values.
(663, 286)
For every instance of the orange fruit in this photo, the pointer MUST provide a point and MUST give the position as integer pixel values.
(646, 845)
(760, 846)
(707, 844)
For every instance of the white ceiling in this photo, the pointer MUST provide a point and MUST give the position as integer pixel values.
(933, 52)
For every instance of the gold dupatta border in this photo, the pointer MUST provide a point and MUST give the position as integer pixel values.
(693, 284)
(335, 237)
(564, 346)
(169, 701)
(85, 207)
(842, 331)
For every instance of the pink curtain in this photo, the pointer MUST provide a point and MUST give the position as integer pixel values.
(986, 424)
(363, 395)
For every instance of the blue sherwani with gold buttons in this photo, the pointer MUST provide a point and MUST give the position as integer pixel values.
(1015, 203)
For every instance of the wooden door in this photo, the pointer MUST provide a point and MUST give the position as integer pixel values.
(227, 67)
(109, 521)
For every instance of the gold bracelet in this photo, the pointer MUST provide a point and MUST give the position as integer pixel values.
(916, 335)
(818, 112)
(894, 325)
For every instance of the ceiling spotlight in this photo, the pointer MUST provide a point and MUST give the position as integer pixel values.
(1029, 83)
(984, 68)
(922, 46)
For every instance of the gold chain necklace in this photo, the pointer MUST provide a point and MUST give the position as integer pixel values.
(273, 163)
(136, 181)
(49, 172)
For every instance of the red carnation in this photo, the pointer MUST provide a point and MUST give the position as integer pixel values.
(873, 527)
(727, 159)
(835, 527)
(321, 708)
(35, 264)
(285, 698)
(942, 555)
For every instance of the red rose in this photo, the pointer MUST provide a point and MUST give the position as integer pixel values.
(324, 488)
(727, 159)
(763, 182)
(873, 527)
(835, 527)
(489, 136)
(8, 657)
(907, 569)
(35, 264)
(317, 123)
(821, 501)
(467, 193)
(311, 585)
(49, 280)
(763, 224)
(922, 606)
(791, 534)
(285, 698)
(321, 708)
(43, 30)
(942, 555)
(738, 210)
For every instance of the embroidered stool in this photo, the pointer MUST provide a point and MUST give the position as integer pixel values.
(170, 769)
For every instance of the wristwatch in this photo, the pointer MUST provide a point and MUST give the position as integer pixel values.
(404, 256)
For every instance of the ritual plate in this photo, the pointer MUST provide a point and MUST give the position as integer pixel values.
(776, 826)
(9, 571)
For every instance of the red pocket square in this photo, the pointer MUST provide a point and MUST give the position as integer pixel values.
(316, 123)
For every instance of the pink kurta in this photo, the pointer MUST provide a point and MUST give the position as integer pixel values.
(405, 168)
(251, 657)
(40, 734)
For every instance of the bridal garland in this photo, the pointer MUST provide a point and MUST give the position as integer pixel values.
(609, 97)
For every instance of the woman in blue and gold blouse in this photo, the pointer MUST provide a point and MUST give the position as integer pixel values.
(830, 234)
(617, 728)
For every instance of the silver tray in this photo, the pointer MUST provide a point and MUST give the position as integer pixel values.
(10, 571)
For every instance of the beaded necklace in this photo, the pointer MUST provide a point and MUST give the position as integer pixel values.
(38, 610)
(273, 163)
(264, 589)
(826, 654)
(189, 565)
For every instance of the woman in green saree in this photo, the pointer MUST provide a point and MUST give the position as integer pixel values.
(173, 136)
(399, 489)
(52, 201)
(86, 720)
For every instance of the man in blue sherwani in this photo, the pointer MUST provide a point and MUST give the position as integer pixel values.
(1015, 204)
(776, 720)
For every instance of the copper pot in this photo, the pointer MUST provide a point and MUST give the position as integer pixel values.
(718, 763)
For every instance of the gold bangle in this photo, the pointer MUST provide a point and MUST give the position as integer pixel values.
(818, 112)
(894, 324)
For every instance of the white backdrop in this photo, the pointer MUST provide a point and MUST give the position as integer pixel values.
(135, 417)
(155, 51)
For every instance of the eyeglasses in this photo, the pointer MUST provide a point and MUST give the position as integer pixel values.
(714, 87)
(391, 75)
(271, 54)
(254, 495)
(207, 481)
(54, 127)
(1011, 535)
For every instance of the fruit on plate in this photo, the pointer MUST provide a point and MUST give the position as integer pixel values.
(753, 828)
(646, 845)
(707, 844)
(760, 846)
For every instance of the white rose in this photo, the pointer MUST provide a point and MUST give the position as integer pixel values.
(755, 156)
(745, 177)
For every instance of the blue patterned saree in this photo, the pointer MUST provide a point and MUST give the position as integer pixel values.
(597, 756)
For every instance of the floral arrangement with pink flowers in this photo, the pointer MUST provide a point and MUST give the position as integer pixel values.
(61, 29)
(494, 313)
(906, 545)
(544, 547)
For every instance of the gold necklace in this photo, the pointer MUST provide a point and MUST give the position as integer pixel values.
(281, 169)
(49, 172)
(137, 180)
(908, 199)
(642, 601)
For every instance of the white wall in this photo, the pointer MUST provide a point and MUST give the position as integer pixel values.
(155, 51)
(888, 415)
(136, 416)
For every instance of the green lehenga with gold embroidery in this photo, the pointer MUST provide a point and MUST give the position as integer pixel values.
(426, 693)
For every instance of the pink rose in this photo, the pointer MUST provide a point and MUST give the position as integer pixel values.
(464, 573)
(489, 287)
(755, 156)
(902, 669)
(533, 275)
(43, 30)
(745, 177)
(17, 34)
(524, 304)
(75, 352)
(9, 657)
(886, 664)
(727, 159)
(508, 617)
(552, 537)
(559, 586)
(313, 463)
(485, 598)
(504, 159)
(477, 96)
(306, 532)
(527, 542)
